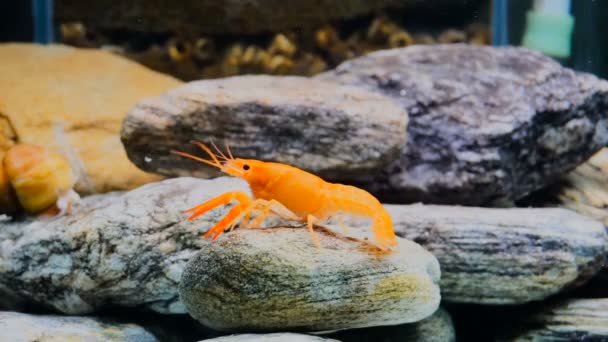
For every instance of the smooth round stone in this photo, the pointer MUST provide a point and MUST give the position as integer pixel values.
(277, 280)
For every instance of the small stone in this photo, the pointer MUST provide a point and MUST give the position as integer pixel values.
(571, 320)
(18, 327)
(485, 122)
(276, 280)
(318, 126)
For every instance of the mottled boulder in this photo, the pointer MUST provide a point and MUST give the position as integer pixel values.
(485, 123)
(214, 16)
(436, 328)
(18, 327)
(276, 280)
(571, 320)
(276, 337)
(318, 126)
(116, 250)
(505, 256)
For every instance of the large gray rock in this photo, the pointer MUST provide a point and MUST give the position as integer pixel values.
(214, 16)
(485, 122)
(572, 320)
(505, 256)
(116, 250)
(18, 327)
(318, 126)
(276, 280)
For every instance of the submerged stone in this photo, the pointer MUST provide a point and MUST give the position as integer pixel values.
(317, 126)
(486, 123)
(276, 279)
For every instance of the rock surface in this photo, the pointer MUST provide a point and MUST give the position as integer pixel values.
(317, 126)
(276, 337)
(505, 256)
(584, 190)
(485, 123)
(436, 328)
(117, 250)
(18, 327)
(275, 280)
(214, 16)
(74, 102)
(573, 320)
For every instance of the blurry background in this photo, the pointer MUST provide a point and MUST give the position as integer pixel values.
(208, 39)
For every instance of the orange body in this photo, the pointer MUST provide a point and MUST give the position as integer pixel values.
(307, 196)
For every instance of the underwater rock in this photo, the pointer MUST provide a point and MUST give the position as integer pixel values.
(505, 256)
(19, 327)
(214, 16)
(318, 126)
(436, 328)
(572, 320)
(276, 337)
(276, 280)
(118, 249)
(584, 190)
(485, 123)
(74, 103)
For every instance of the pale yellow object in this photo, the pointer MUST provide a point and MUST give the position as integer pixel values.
(87, 92)
(38, 176)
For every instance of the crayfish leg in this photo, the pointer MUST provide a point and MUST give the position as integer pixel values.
(310, 221)
(217, 201)
(233, 215)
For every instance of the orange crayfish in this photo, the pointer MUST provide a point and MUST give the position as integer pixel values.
(291, 194)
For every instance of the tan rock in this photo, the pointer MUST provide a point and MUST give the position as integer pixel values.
(74, 100)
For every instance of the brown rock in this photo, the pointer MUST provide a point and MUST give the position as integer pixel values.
(74, 100)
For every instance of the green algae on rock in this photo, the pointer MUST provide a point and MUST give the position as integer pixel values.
(276, 280)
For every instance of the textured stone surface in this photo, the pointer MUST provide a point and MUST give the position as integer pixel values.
(572, 320)
(318, 126)
(74, 103)
(436, 328)
(276, 337)
(18, 327)
(276, 280)
(214, 16)
(485, 123)
(117, 250)
(505, 256)
(584, 190)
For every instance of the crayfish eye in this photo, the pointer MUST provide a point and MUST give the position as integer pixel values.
(245, 167)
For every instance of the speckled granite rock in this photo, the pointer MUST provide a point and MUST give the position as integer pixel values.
(314, 125)
(485, 123)
(276, 337)
(436, 328)
(276, 280)
(18, 327)
(505, 256)
(572, 320)
(117, 250)
(220, 16)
